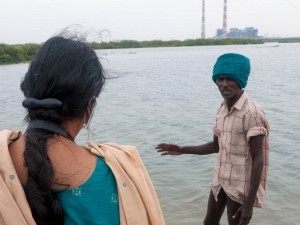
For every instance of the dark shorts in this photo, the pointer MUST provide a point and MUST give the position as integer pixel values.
(222, 197)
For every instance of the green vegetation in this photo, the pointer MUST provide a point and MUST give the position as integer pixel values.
(172, 43)
(283, 40)
(17, 53)
(10, 54)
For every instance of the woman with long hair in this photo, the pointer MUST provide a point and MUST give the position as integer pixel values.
(66, 183)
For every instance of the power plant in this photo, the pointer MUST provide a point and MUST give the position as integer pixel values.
(247, 33)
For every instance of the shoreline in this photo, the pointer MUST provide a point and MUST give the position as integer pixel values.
(23, 53)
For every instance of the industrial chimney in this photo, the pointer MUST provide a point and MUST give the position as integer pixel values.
(224, 32)
(203, 20)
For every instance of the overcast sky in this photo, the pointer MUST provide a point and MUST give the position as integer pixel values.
(24, 21)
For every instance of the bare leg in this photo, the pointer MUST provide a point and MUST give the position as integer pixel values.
(232, 207)
(215, 209)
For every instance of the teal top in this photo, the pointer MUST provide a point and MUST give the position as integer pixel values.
(95, 202)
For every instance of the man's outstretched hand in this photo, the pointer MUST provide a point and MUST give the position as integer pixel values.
(168, 149)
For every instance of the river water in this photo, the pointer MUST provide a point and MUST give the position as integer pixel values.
(167, 95)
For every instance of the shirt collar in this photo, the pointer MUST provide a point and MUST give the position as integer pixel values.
(240, 102)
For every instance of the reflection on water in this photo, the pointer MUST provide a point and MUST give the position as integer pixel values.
(167, 95)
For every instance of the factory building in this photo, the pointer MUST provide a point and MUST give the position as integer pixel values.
(236, 33)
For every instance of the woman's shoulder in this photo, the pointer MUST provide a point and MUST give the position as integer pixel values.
(111, 146)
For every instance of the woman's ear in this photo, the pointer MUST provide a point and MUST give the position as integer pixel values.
(90, 107)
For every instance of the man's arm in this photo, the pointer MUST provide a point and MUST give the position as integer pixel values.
(256, 146)
(208, 148)
(256, 152)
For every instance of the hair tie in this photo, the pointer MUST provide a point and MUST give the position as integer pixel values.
(47, 103)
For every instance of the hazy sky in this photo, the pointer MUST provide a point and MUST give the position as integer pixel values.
(23, 21)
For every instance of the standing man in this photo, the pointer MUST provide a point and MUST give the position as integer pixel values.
(241, 139)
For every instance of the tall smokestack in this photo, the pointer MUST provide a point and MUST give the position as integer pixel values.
(203, 20)
(225, 20)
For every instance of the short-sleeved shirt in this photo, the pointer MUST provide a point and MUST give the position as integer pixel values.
(95, 202)
(234, 164)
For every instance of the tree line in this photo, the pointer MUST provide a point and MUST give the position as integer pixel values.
(172, 43)
(10, 54)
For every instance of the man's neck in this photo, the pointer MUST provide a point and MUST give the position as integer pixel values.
(230, 103)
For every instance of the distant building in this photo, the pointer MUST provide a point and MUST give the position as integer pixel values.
(235, 33)
(219, 33)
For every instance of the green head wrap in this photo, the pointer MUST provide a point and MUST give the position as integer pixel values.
(234, 66)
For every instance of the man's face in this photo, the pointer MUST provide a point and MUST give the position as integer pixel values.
(228, 88)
